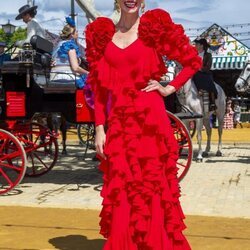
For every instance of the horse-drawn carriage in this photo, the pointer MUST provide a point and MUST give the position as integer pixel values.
(29, 148)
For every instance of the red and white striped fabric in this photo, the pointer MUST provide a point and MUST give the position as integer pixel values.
(228, 120)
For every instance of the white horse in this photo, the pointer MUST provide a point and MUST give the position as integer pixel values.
(189, 97)
(243, 82)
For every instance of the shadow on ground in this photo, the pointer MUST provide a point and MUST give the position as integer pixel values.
(241, 159)
(76, 242)
(71, 169)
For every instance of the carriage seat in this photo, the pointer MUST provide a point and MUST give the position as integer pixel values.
(56, 87)
(41, 45)
(43, 50)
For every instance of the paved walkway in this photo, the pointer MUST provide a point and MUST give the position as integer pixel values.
(219, 186)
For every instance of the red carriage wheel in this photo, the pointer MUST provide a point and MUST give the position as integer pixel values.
(12, 161)
(185, 145)
(41, 148)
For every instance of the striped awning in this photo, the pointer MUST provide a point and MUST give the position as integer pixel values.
(228, 62)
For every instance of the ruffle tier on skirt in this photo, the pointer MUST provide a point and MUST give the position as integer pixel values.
(141, 209)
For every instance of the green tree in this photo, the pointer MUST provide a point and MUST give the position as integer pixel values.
(3, 37)
(19, 34)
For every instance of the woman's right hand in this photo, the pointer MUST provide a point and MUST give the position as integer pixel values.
(100, 139)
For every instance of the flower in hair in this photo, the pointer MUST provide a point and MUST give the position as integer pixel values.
(70, 21)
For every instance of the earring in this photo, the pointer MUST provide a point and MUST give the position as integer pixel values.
(117, 6)
(143, 7)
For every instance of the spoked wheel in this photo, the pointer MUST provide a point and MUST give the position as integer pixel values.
(41, 148)
(86, 133)
(185, 145)
(12, 161)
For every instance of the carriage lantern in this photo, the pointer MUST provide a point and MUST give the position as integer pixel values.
(8, 29)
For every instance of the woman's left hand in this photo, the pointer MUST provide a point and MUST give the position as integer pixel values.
(155, 85)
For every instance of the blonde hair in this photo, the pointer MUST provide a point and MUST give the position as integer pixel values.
(67, 31)
(116, 6)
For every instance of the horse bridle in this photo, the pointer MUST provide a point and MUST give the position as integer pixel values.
(245, 81)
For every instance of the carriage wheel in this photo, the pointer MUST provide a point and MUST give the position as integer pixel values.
(86, 133)
(41, 148)
(185, 145)
(12, 161)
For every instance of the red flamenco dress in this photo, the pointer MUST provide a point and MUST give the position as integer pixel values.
(141, 209)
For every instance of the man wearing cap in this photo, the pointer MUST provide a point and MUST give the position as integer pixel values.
(3, 56)
(203, 79)
(27, 13)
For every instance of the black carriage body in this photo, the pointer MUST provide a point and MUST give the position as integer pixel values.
(21, 100)
(25, 91)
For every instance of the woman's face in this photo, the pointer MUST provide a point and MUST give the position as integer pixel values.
(130, 6)
(26, 17)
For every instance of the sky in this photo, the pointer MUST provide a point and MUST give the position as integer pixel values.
(192, 14)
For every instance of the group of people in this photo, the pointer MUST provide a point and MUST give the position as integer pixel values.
(66, 57)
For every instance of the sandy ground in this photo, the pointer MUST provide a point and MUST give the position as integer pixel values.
(77, 229)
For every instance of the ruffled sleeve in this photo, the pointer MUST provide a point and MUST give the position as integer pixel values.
(98, 35)
(66, 47)
(157, 29)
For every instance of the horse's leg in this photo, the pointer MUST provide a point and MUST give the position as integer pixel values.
(199, 124)
(220, 130)
(63, 128)
(220, 112)
(49, 119)
(206, 122)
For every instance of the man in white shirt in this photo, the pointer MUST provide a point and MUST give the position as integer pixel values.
(27, 13)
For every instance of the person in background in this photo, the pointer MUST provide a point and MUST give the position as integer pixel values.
(237, 114)
(28, 13)
(66, 58)
(203, 79)
(228, 118)
(134, 138)
(3, 56)
(66, 69)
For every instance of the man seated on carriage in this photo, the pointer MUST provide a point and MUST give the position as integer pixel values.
(203, 79)
(28, 13)
(66, 58)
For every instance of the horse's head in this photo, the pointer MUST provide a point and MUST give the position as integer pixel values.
(243, 82)
(171, 71)
(174, 69)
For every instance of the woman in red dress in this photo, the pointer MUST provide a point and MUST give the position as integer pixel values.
(141, 209)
